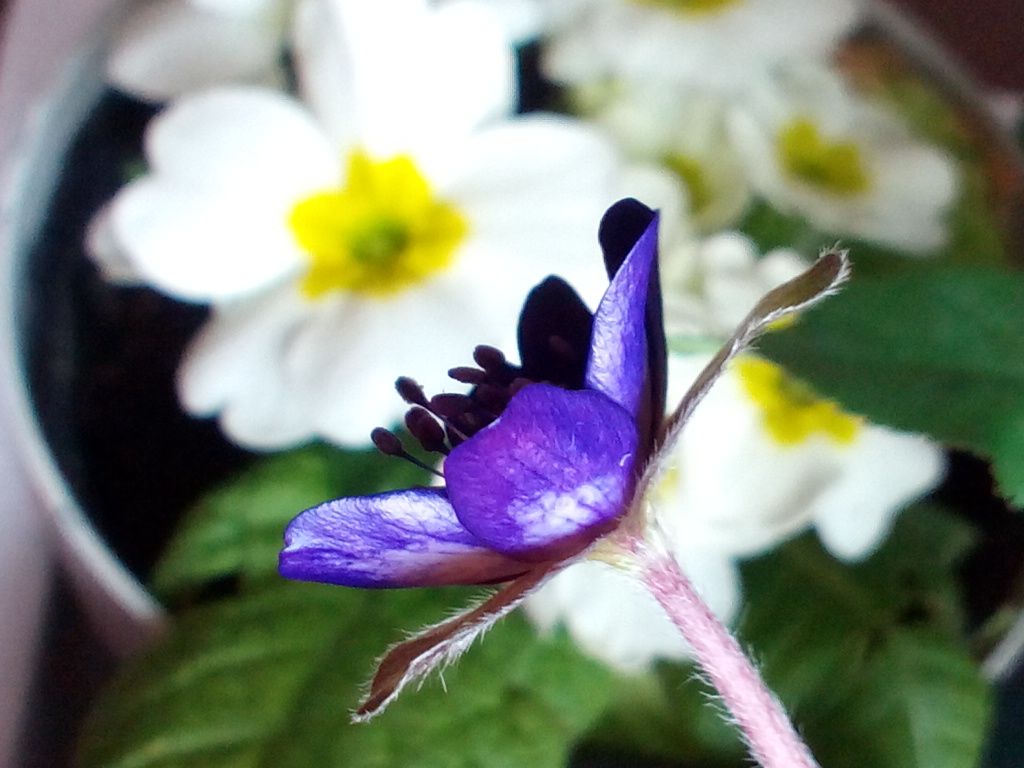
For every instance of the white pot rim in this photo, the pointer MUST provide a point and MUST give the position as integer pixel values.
(113, 595)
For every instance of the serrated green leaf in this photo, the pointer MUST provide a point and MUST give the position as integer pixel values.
(268, 680)
(235, 530)
(870, 657)
(940, 353)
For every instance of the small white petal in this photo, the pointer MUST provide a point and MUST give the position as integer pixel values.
(654, 123)
(323, 64)
(230, 369)
(167, 49)
(106, 251)
(730, 277)
(883, 472)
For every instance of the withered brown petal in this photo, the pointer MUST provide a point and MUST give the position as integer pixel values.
(821, 280)
(442, 643)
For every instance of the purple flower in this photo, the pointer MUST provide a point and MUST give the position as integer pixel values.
(545, 462)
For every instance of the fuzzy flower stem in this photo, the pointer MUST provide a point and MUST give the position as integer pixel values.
(770, 735)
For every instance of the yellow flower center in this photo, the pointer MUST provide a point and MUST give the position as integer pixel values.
(691, 7)
(836, 167)
(690, 172)
(380, 233)
(790, 410)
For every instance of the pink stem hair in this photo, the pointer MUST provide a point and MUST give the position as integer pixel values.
(770, 735)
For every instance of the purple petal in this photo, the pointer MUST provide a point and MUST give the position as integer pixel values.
(618, 348)
(549, 476)
(400, 539)
(554, 334)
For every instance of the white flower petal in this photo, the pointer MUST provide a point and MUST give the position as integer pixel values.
(210, 221)
(711, 284)
(323, 64)
(242, 8)
(609, 615)
(883, 472)
(331, 364)
(167, 49)
(351, 357)
(620, 38)
(200, 244)
(521, 20)
(534, 190)
(613, 618)
(106, 251)
(229, 370)
(421, 77)
(744, 493)
(736, 491)
(238, 138)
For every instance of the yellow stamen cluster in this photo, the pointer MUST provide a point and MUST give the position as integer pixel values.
(836, 167)
(692, 7)
(380, 233)
(791, 412)
(692, 175)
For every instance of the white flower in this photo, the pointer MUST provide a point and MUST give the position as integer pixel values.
(167, 48)
(521, 19)
(815, 148)
(764, 458)
(709, 284)
(684, 131)
(326, 238)
(761, 460)
(714, 44)
(615, 620)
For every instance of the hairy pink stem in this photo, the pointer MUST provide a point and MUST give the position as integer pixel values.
(770, 735)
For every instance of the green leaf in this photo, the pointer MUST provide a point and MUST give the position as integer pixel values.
(235, 531)
(940, 353)
(870, 658)
(671, 715)
(920, 702)
(769, 228)
(269, 678)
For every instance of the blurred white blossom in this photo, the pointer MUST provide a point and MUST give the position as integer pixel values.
(762, 459)
(712, 44)
(709, 284)
(167, 48)
(361, 234)
(814, 147)
(684, 131)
